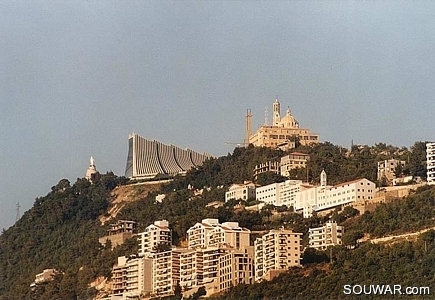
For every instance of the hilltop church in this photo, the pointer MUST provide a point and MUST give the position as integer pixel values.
(282, 133)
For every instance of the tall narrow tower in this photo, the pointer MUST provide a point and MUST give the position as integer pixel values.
(276, 112)
(323, 179)
(248, 126)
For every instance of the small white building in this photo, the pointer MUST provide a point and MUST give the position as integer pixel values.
(244, 191)
(328, 235)
(46, 276)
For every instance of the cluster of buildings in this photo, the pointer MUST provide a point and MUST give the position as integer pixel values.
(217, 257)
(304, 197)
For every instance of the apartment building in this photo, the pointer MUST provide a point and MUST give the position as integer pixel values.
(161, 275)
(387, 168)
(241, 191)
(129, 277)
(210, 233)
(154, 234)
(138, 276)
(430, 163)
(184, 267)
(196, 267)
(236, 267)
(292, 161)
(328, 235)
(279, 194)
(277, 250)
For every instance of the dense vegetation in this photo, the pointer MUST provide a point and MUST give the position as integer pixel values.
(61, 230)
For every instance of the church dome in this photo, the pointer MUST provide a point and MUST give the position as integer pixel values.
(288, 121)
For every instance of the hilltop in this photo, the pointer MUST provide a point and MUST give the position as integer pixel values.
(61, 230)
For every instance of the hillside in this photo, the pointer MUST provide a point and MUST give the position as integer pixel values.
(62, 229)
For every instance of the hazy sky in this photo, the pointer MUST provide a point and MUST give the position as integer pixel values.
(78, 76)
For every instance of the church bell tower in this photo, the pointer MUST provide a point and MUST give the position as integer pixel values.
(276, 113)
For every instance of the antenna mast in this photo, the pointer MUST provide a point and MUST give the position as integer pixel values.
(248, 126)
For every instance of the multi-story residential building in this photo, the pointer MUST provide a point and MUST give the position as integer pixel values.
(184, 267)
(196, 267)
(281, 131)
(209, 233)
(270, 166)
(236, 267)
(154, 234)
(244, 191)
(129, 277)
(197, 235)
(291, 161)
(325, 197)
(328, 235)
(387, 168)
(119, 232)
(137, 276)
(430, 163)
(279, 194)
(161, 275)
(277, 250)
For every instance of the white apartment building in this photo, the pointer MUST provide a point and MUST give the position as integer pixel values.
(161, 275)
(277, 250)
(128, 277)
(292, 161)
(430, 163)
(386, 169)
(209, 233)
(196, 267)
(279, 194)
(184, 267)
(154, 234)
(236, 267)
(328, 235)
(134, 277)
(244, 191)
(325, 197)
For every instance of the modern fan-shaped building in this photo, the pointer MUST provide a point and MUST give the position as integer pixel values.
(147, 159)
